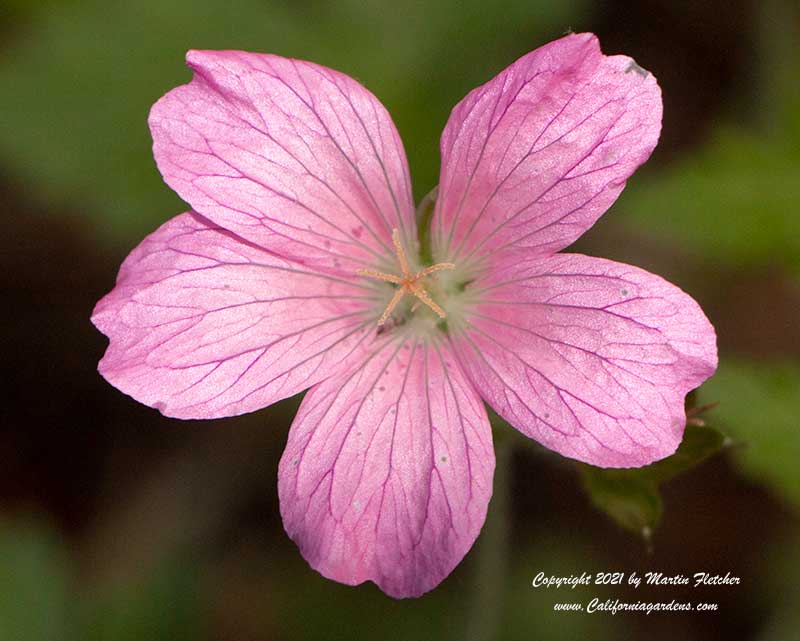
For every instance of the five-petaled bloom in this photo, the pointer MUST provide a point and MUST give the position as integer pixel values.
(300, 267)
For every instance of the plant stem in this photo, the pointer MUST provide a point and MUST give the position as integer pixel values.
(425, 211)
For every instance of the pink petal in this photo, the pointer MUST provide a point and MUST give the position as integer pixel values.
(388, 470)
(203, 324)
(589, 357)
(297, 158)
(535, 156)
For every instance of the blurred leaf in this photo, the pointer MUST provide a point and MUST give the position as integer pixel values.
(84, 78)
(778, 589)
(85, 74)
(163, 607)
(342, 612)
(35, 590)
(759, 405)
(529, 613)
(631, 497)
(778, 72)
(38, 601)
(735, 199)
(305, 606)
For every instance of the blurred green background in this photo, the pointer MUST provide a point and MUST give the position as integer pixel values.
(117, 523)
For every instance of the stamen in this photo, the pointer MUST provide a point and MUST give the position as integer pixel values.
(423, 296)
(407, 283)
(398, 294)
(401, 254)
(434, 268)
(380, 276)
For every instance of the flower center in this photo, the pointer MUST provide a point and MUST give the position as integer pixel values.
(407, 283)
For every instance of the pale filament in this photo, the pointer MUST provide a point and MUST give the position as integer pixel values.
(408, 283)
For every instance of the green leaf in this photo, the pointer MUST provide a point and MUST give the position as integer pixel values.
(699, 443)
(631, 497)
(631, 500)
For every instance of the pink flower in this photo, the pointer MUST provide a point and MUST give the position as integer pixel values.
(299, 267)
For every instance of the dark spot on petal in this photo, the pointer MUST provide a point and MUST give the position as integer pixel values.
(444, 459)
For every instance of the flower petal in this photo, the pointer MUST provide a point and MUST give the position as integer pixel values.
(388, 470)
(297, 158)
(535, 156)
(203, 324)
(589, 357)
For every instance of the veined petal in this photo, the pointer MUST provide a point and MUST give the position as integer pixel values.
(532, 158)
(388, 470)
(203, 324)
(589, 357)
(295, 157)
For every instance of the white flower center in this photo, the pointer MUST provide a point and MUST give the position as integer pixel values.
(407, 282)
